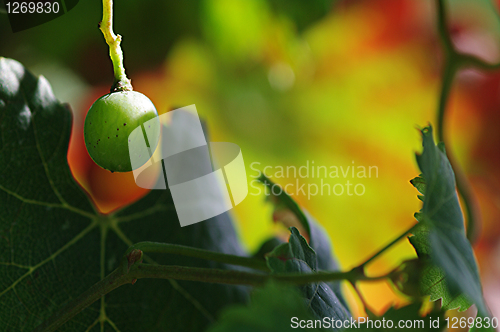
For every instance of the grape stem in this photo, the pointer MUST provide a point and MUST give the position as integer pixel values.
(122, 82)
(175, 249)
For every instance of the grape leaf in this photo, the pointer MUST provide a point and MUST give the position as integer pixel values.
(297, 256)
(419, 184)
(54, 245)
(318, 238)
(273, 308)
(432, 278)
(455, 276)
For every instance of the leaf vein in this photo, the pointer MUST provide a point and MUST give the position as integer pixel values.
(45, 166)
(155, 208)
(47, 204)
(51, 257)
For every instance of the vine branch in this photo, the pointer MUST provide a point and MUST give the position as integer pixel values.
(389, 245)
(121, 276)
(453, 62)
(121, 82)
(132, 269)
(168, 248)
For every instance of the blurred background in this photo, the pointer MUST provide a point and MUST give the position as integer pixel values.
(292, 82)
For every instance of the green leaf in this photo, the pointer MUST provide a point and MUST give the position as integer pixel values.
(297, 256)
(54, 245)
(432, 278)
(409, 314)
(455, 276)
(318, 237)
(273, 308)
(419, 184)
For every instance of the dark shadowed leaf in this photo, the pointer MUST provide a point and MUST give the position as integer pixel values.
(54, 245)
(267, 246)
(318, 237)
(297, 256)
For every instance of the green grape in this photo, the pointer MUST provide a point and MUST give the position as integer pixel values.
(108, 124)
